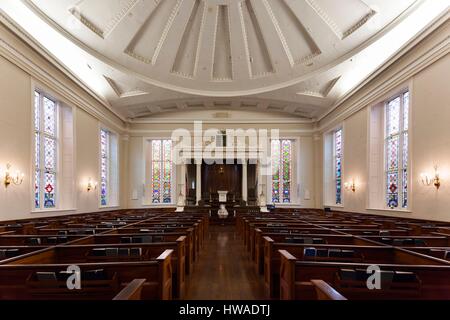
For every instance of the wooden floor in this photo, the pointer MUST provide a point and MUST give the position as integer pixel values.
(224, 271)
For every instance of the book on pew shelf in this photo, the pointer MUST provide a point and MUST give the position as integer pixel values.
(384, 233)
(386, 240)
(126, 240)
(62, 232)
(409, 241)
(386, 276)
(9, 253)
(2, 254)
(62, 239)
(404, 277)
(46, 276)
(447, 255)
(308, 241)
(34, 241)
(347, 253)
(322, 253)
(111, 251)
(309, 252)
(347, 274)
(334, 253)
(158, 239)
(146, 239)
(136, 252)
(98, 274)
(361, 274)
(123, 252)
(52, 240)
(420, 242)
(144, 230)
(99, 252)
(318, 241)
(64, 275)
(136, 240)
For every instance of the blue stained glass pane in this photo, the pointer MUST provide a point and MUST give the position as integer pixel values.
(49, 190)
(161, 171)
(37, 182)
(104, 164)
(338, 165)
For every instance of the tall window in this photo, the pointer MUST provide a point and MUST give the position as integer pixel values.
(104, 167)
(338, 165)
(161, 171)
(45, 152)
(396, 151)
(108, 168)
(281, 170)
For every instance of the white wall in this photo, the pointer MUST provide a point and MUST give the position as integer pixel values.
(301, 132)
(16, 141)
(430, 130)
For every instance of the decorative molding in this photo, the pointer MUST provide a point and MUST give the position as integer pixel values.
(419, 63)
(103, 33)
(332, 24)
(23, 62)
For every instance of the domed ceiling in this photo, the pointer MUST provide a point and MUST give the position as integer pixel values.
(167, 55)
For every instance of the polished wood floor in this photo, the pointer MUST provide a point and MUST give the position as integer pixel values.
(224, 271)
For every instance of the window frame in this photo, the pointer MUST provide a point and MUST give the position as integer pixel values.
(148, 163)
(401, 141)
(293, 173)
(109, 181)
(341, 156)
(42, 136)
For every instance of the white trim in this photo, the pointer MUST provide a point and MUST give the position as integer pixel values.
(425, 32)
(389, 210)
(416, 65)
(68, 95)
(52, 210)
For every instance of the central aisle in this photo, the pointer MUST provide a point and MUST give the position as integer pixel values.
(224, 271)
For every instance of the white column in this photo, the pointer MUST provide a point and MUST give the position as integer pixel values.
(198, 183)
(182, 187)
(244, 181)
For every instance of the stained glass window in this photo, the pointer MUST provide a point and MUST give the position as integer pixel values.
(45, 152)
(396, 150)
(281, 151)
(104, 167)
(338, 165)
(161, 171)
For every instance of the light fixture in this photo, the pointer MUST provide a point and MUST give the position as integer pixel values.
(427, 181)
(91, 185)
(350, 185)
(9, 179)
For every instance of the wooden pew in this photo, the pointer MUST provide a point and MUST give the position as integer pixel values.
(351, 254)
(115, 236)
(425, 282)
(18, 281)
(75, 254)
(133, 291)
(326, 292)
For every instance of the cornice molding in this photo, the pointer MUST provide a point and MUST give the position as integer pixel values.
(430, 56)
(26, 64)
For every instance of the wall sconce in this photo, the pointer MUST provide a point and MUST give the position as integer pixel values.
(427, 181)
(9, 179)
(91, 185)
(350, 185)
